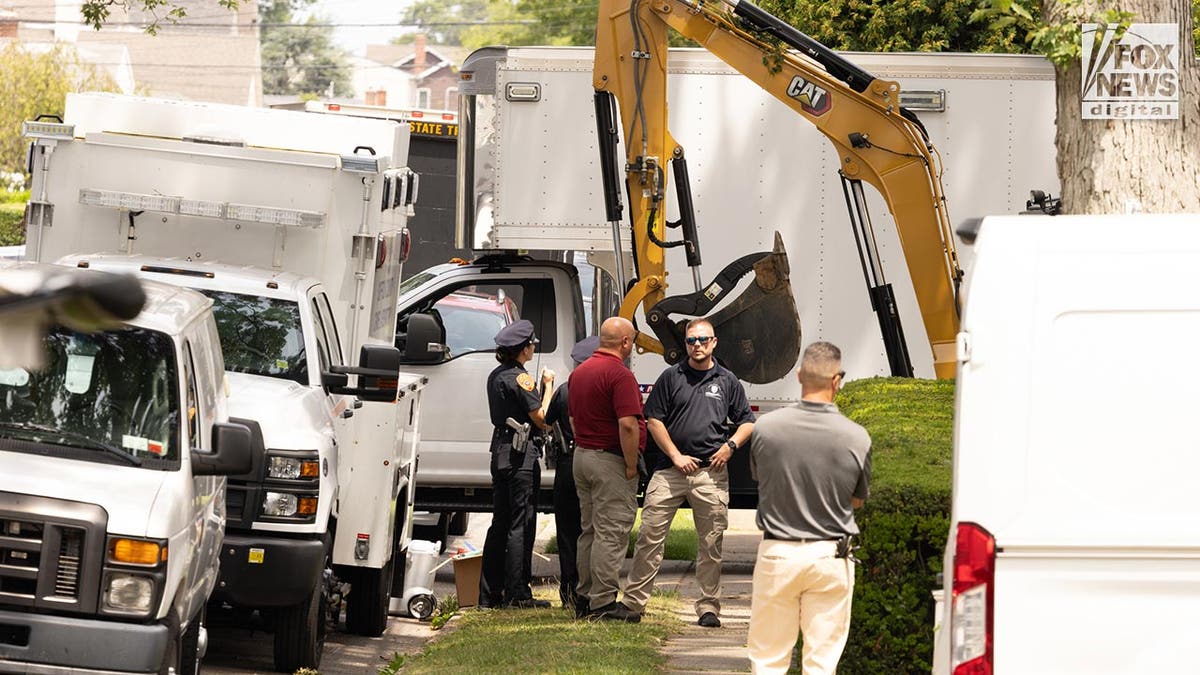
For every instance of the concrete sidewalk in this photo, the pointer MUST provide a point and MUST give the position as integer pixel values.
(715, 650)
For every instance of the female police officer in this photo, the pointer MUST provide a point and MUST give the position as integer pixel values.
(516, 474)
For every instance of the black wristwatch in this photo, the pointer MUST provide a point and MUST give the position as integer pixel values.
(732, 445)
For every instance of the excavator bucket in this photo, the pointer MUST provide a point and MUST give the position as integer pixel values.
(760, 330)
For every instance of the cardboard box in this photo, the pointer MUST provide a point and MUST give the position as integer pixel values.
(468, 567)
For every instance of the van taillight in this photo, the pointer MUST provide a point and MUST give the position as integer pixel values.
(971, 613)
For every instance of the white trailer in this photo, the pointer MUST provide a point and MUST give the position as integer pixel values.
(294, 225)
(529, 180)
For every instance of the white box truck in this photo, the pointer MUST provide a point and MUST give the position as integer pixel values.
(1074, 525)
(529, 180)
(112, 496)
(294, 225)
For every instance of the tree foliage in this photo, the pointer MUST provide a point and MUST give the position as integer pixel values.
(899, 25)
(300, 58)
(96, 12)
(35, 84)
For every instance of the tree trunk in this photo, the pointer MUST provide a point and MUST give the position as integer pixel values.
(1123, 165)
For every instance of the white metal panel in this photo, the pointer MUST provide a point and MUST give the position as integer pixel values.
(260, 127)
(757, 167)
(1073, 439)
(1072, 612)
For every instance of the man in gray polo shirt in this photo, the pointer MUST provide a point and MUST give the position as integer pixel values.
(813, 466)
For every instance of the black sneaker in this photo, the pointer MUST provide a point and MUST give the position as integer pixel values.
(709, 620)
(529, 603)
(579, 604)
(615, 611)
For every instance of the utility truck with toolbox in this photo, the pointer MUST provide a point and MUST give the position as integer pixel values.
(115, 449)
(294, 225)
(529, 181)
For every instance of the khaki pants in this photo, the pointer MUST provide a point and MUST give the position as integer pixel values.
(607, 507)
(802, 588)
(708, 493)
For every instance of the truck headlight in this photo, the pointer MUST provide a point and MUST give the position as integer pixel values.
(129, 593)
(286, 504)
(280, 504)
(290, 468)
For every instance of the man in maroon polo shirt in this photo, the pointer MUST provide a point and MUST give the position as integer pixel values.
(606, 414)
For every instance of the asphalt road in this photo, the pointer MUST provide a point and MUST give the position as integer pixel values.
(241, 644)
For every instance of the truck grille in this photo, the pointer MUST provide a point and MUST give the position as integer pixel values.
(70, 559)
(51, 553)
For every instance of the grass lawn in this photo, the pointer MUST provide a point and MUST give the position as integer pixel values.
(548, 641)
(681, 540)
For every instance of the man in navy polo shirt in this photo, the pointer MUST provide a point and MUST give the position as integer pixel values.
(690, 412)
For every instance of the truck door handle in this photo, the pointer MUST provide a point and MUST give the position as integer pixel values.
(347, 414)
(357, 403)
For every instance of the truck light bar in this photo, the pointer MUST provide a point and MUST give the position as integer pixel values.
(273, 216)
(523, 91)
(931, 100)
(199, 207)
(128, 200)
(54, 130)
(360, 163)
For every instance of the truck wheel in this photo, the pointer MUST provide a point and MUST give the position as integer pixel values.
(300, 633)
(183, 649)
(367, 604)
(439, 533)
(459, 523)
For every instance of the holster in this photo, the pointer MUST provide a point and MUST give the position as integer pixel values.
(846, 546)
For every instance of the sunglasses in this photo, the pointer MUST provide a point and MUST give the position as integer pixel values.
(702, 339)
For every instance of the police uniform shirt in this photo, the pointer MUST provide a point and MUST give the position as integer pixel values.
(698, 406)
(511, 393)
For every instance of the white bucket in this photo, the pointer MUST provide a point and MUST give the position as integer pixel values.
(422, 557)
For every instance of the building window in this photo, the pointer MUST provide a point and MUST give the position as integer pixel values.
(452, 98)
(424, 96)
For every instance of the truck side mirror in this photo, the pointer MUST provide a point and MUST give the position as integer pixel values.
(378, 371)
(425, 341)
(231, 454)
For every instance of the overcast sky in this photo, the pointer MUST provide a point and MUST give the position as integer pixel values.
(354, 17)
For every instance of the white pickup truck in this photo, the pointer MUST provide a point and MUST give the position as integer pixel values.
(112, 497)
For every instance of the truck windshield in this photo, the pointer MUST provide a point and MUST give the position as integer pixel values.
(260, 336)
(110, 397)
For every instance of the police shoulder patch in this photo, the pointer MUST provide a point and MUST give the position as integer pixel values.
(525, 381)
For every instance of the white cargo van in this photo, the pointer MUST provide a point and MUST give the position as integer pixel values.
(1075, 532)
(112, 493)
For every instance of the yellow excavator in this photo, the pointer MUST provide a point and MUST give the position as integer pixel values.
(877, 141)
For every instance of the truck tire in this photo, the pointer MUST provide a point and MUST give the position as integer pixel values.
(183, 649)
(367, 604)
(300, 633)
(459, 523)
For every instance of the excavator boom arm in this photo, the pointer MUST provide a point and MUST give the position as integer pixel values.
(876, 142)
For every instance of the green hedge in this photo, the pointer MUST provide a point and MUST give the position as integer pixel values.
(12, 213)
(904, 523)
(12, 227)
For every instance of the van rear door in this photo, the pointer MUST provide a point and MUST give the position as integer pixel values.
(1075, 442)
